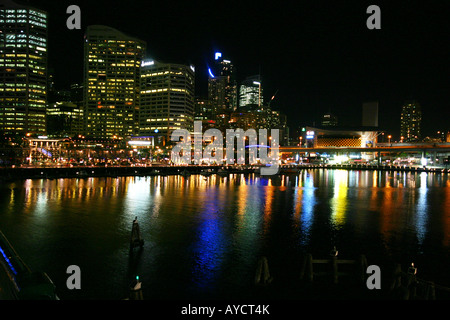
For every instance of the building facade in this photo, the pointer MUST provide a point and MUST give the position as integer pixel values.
(222, 85)
(111, 82)
(251, 92)
(65, 119)
(411, 121)
(23, 69)
(337, 137)
(167, 99)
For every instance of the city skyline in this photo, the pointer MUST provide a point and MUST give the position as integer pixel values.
(320, 57)
(250, 146)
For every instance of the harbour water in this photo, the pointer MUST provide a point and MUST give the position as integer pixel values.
(204, 235)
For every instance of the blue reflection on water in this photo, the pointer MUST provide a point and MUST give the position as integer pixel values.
(210, 246)
(309, 201)
(303, 205)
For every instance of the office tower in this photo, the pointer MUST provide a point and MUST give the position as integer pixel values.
(166, 99)
(65, 112)
(410, 121)
(64, 119)
(201, 109)
(111, 82)
(278, 120)
(251, 92)
(203, 113)
(222, 85)
(370, 114)
(23, 69)
(76, 93)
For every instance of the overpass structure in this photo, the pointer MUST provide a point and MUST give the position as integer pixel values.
(439, 151)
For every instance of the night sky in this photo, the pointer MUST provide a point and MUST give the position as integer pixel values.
(319, 55)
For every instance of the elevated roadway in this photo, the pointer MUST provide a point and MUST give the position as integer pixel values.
(435, 147)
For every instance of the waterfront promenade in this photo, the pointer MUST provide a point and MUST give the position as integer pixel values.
(8, 174)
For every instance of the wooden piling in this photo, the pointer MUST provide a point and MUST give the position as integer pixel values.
(262, 276)
(308, 272)
(396, 277)
(307, 268)
(136, 239)
(362, 268)
(409, 287)
(430, 293)
(136, 290)
(334, 265)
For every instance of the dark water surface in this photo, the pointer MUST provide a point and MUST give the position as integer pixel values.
(204, 236)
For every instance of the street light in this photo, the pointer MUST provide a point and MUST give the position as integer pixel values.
(389, 137)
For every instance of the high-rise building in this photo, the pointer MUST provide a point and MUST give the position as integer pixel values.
(111, 82)
(65, 112)
(23, 68)
(64, 119)
(166, 99)
(251, 92)
(410, 121)
(202, 112)
(222, 85)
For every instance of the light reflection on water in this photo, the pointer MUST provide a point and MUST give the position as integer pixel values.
(205, 235)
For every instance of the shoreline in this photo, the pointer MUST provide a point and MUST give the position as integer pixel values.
(9, 174)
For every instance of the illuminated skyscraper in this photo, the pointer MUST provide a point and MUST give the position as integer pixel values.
(112, 79)
(222, 85)
(166, 99)
(202, 112)
(23, 69)
(410, 121)
(251, 92)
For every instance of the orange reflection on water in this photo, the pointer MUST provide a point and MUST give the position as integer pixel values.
(375, 179)
(268, 202)
(387, 211)
(242, 200)
(298, 203)
(446, 215)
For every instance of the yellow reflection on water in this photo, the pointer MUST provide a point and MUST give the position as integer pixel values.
(242, 200)
(374, 178)
(137, 197)
(339, 201)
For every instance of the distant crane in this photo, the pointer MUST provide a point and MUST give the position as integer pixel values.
(273, 97)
